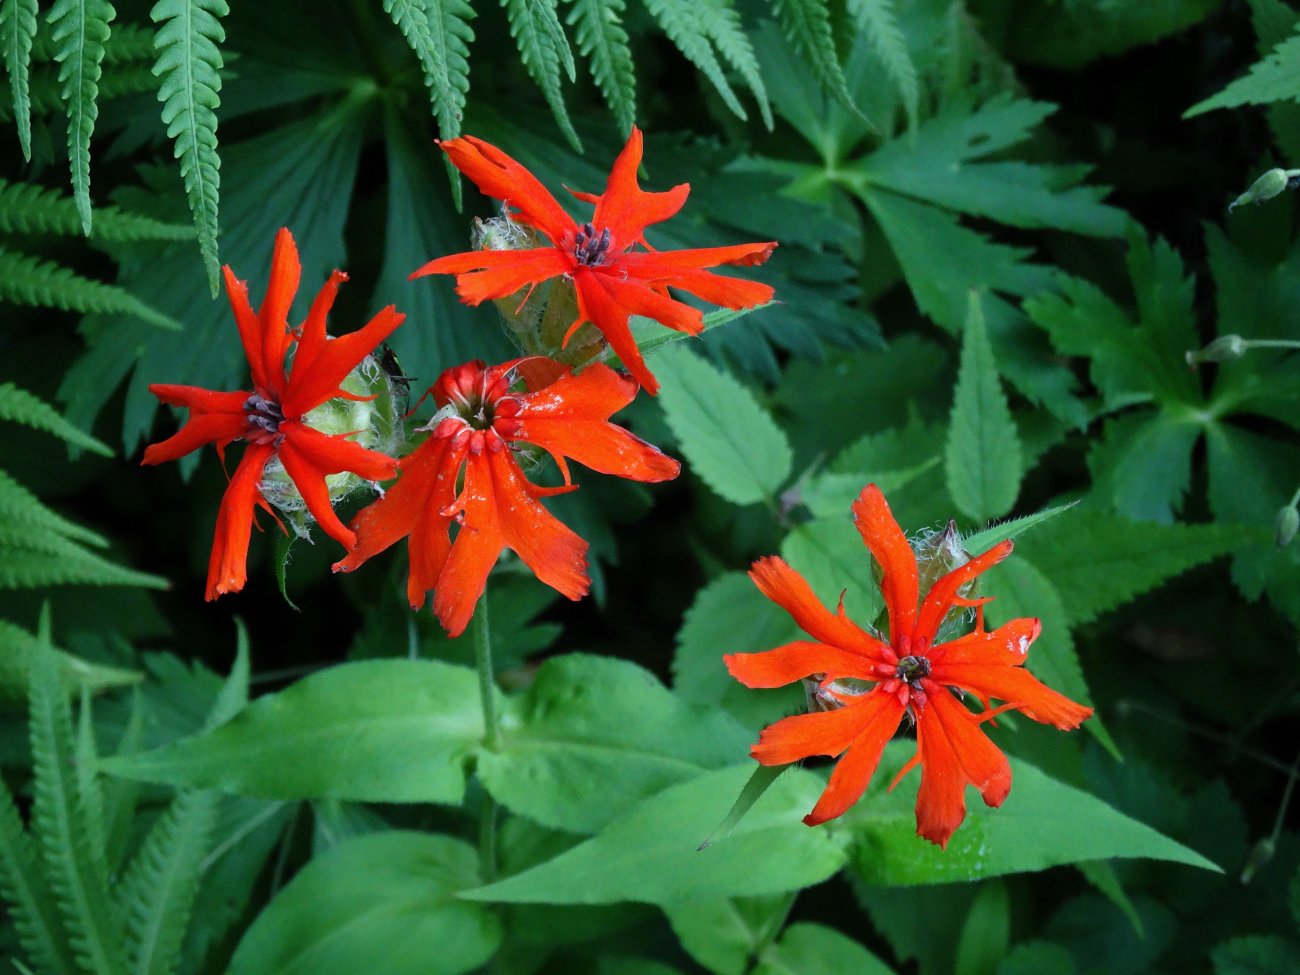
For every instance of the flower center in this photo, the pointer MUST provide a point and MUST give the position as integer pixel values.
(589, 247)
(912, 669)
(264, 417)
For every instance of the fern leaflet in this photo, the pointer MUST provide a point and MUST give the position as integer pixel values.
(17, 29)
(28, 560)
(27, 280)
(189, 64)
(721, 22)
(19, 406)
(28, 208)
(81, 891)
(878, 22)
(129, 42)
(807, 23)
(90, 796)
(79, 29)
(31, 904)
(544, 49)
(16, 648)
(681, 21)
(599, 32)
(20, 508)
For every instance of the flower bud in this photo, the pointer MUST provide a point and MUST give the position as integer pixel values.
(373, 422)
(1225, 348)
(1286, 526)
(1266, 187)
(1259, 857)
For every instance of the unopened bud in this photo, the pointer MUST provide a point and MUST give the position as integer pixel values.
(1225, 348)
(1268, 186)
(1260, 855)
(1286, 526)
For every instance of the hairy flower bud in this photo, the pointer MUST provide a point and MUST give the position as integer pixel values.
(1268, 186)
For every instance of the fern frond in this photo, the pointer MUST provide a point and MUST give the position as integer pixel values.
(158, 893)
(601, 39)
(121, 794)
(807, 23)
(79, 889)
(16, 648)
(31, 560)
(28, 280)
(129, 42)
(721, 21)
(32, 906)
(90, 797)
(28, 208)
(79, 29)
(17, 31)
(19, 406)
(681, 21)
(189, 64)
(20, 510)
(878, 21)
(544, 50)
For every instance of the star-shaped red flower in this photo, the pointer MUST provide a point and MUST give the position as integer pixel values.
(612, 281)
(486, 414)
(906, 673)
(269, 417)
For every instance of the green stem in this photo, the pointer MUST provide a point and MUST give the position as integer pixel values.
(1130, 704)
(482, 636)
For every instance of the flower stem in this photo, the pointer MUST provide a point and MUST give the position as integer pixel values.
(487, 834)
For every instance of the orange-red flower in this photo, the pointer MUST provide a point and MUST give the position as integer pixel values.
(485, 415)
(612, 281)
(908, 673)
(269, 417)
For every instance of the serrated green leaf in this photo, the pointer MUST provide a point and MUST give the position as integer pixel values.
(983, 459)
(189, 67)
(982, 541)
(28, 208)
(16, 647)
(684, 23)
(570, 759)
(388, 895)
(78, 29)
(19, 406)
(601, 39)
(729, 440)
(59, 825)
(1043, 823)
(325, 736)
(1273, 79)
(807, 23)
(438, 32)
(544, 51)
(1142, 464)
(29, 560)
(17, 30)
(28, 280)
(878, 20)
(651, 853)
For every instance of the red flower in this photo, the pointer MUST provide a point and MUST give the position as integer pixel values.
(909, 673)
(481, 420)
(612, 281)
(269, 417)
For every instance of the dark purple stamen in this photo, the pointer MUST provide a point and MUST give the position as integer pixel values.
(912, 669)
(590, 249)
(264, 414)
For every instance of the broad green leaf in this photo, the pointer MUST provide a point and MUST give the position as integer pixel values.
(986, 933)
(79, 29)
(572, 757)
(730, 615)
(651, 853)
(1275, 78)
(189, 68)
(374, 731)
(760, 780)
(389, 896)
(729, 440)
(983, 460)
(1042, 824)
(814, 949)
(1100, 561)
(723, 935)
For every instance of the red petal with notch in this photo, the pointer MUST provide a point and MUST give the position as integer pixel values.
(1006, 646)
(596, 304)
(332, 454)
(717, 290)
(795, 661)
(858, 764)
(624, 207)
(286, 273)
(250, 336)
(310, 482)
(1015, 686)
(944, 591)
(788, 589)
(202, 428)
(227, 565)
(475, 287)
(816, 733)
(664, 265)
(199, 399)
(900, 585)
(331, 364)
(313, 336)
(482, 260)
(499, 176)
(954, 753)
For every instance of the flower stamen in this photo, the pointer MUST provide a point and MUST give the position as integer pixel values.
(590, 249)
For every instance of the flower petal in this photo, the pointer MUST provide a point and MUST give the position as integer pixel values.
(596, 304)
(717, 290)
(313, 337)
(202, 428)
(1016, 686)
(330, 365)
(624, 207)
(954, 753)
(286, 272)
(250, 334)
(1008, 645)
(944, 591)
(492, 260)
(791, 592)
(889, 545)
(332, 454)
(200, 399)
(795, 661)
(816, 733)
(499, 176)
(310, 482)
(858, 764)
(227, 565)
(474, 287)
(664, 265)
